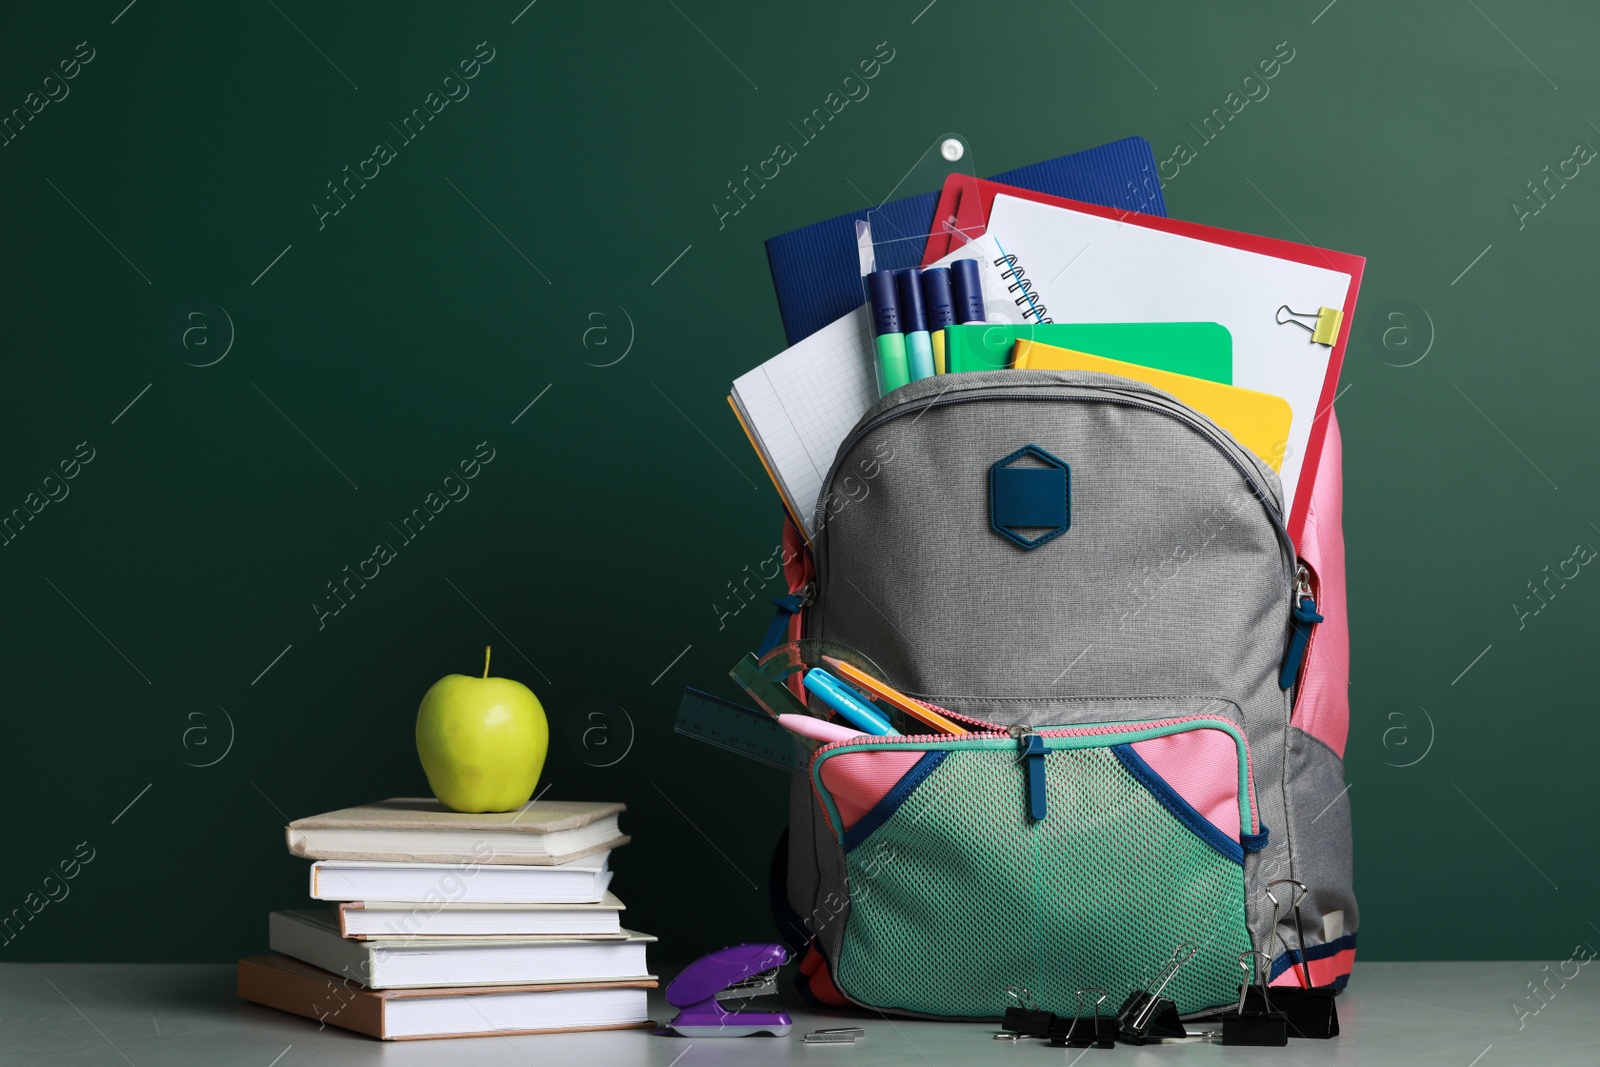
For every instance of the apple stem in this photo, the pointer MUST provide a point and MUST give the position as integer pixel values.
(486, 661)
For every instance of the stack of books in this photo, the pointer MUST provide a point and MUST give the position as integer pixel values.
(443, 924)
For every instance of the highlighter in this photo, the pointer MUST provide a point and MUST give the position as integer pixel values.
(891, 343)
(848, 703)
(914, 321)
(967, 291)
(940, 305)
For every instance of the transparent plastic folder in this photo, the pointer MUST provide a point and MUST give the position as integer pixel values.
(895, 232)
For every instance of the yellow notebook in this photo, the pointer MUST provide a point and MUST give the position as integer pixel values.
(1258, 421)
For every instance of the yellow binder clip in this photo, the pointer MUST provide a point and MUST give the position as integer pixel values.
(1326, 320)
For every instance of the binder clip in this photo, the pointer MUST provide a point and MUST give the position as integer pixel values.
(738, 972)
(1095, 1032)
(1324, 326)
(1254, 1021)
(1024, 1018)
(1148, 1015)
(1310, 1011)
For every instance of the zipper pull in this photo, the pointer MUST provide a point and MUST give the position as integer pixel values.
(788, 607)
(1303, 616)
(1030, 751)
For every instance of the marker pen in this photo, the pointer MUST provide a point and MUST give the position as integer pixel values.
(848, 703)
(967, 290)
(891, 343)
(940, 304)
(914, 321)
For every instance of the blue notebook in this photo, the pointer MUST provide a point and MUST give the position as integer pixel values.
(815, 269)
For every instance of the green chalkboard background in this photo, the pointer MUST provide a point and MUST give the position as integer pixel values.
(165, 214)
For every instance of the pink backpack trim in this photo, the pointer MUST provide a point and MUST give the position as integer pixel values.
(1322, 702)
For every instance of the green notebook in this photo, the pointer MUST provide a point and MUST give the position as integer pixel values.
(1198, 349)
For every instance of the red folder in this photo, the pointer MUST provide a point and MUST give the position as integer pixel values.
(963, 214)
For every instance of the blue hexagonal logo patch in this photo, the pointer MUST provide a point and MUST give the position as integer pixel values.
(1030, 497)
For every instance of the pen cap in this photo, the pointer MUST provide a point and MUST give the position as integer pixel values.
(885, 304)
(912, 315)
(937, 298)
(967, 290)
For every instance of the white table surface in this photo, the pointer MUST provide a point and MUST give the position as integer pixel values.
(1445, 1014)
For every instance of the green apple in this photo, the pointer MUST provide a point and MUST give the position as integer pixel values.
(482, 741)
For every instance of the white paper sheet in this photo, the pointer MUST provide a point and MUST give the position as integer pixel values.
(801, 404)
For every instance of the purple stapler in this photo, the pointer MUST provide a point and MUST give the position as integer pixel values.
(737, 972)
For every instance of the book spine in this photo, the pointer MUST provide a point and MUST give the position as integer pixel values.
(330, 1000)
(344, 926)
(323, 947)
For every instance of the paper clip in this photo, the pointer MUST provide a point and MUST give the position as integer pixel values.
(838, 1035)
(1145, 1015)
(1326, 323)
(1255, 1023)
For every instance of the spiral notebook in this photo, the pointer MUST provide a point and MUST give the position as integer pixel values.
(1089, 264)
(1112, 280)
(799, 405)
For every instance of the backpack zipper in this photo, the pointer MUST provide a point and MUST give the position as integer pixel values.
(1031, 751)
(1303, 618)
(788, 606)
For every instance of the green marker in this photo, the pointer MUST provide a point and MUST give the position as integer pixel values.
(893, 369)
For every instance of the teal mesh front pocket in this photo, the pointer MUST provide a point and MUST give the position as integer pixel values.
(958, 894)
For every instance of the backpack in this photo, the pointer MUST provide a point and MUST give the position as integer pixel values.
(1095, 581)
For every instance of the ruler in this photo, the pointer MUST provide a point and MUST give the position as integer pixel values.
(738, 729)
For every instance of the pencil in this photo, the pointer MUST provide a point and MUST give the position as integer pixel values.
(892, 696)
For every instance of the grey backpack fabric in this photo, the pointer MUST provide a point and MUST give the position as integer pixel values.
(1172, 583)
